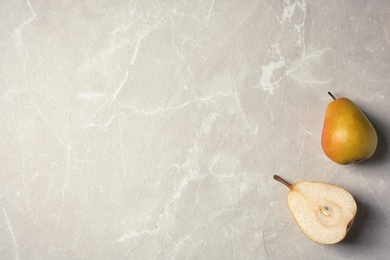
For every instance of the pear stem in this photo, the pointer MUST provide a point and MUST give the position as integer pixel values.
(279, 179)
(330, 94)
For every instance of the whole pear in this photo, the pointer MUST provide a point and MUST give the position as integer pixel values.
(347, 135)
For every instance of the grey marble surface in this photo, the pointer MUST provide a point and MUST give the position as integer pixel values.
(152, 129)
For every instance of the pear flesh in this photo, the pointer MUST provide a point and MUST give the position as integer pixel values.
(347, 135)
(324, 212)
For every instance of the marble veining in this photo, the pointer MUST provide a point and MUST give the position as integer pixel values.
(152, 129)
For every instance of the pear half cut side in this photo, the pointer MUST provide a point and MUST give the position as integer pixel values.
(324, 212)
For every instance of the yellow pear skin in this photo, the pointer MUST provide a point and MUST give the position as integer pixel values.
(347, 135)
(324, 212)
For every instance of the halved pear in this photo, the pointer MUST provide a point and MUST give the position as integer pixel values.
(324, 212)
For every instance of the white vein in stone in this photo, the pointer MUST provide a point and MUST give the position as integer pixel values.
(18, 31)
(132, 61)
(49, 125)
(11, 231)
(266, 81)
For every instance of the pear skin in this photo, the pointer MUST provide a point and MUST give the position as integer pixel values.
(347, 135)
(324, 212)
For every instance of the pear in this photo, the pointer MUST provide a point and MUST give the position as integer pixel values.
(347, 135)
(324, 212)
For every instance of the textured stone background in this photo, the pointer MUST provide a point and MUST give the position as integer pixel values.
(152, 129)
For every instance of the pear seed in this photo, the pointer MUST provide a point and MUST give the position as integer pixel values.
(325, 211)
